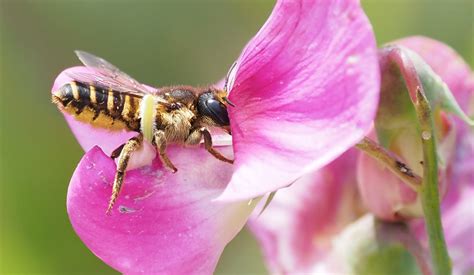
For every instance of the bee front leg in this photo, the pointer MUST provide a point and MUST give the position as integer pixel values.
(125, 152)
(208, 145)
(160, 142)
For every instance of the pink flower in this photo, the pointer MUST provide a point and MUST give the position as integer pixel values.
(305, 90)
(316, 225)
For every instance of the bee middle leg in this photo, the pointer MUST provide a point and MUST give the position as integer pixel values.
(160, 143)
(124, 156)
(208, 145)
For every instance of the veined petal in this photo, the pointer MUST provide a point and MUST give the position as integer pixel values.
(162, 222)
(305, 89)
(296, 229)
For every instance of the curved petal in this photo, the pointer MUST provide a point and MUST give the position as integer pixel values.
(296, 229)
(162, 222)
(305, 89)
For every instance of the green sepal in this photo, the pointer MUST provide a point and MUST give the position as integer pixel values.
(436, 91)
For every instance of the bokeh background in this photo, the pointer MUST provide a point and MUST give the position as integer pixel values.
(160, 43)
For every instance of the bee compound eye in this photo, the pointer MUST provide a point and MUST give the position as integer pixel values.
(219, 112)
(215, 110)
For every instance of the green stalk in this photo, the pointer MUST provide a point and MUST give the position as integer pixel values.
(429, 189)
(391, 162)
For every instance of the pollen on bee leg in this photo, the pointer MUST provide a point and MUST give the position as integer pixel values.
(131, 146)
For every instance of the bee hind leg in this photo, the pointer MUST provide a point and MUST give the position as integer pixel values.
(208, 145)
(160, 143)
(124, 156)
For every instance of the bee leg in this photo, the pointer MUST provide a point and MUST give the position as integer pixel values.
(127, 150)
(160, 142)
(208, 145)
(116, 153)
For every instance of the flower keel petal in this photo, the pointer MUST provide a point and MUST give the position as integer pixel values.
(163, 222)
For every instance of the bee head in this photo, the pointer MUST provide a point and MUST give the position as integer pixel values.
(213, 104)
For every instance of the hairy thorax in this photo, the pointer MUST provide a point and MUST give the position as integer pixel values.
(177, 125)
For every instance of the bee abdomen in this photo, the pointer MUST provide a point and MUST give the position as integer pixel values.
(98, 106)
(72, 95)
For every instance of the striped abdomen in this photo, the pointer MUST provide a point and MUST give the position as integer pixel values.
(99, 107)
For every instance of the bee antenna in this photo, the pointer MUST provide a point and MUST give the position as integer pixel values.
(229, 102)
(226, 83)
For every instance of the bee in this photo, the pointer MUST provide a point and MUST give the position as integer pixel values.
(109, 98)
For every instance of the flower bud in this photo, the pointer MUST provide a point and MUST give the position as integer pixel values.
(397, 130)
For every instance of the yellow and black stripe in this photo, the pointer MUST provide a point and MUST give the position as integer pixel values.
(100, 107)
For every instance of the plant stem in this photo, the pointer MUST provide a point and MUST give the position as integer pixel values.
(390, 161)
(429, 189)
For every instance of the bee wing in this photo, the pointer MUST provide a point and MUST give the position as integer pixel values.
(108, 76)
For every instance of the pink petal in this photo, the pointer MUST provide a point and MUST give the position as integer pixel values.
(162, 222)
(458, 224)
(296, 229)
(305, 90)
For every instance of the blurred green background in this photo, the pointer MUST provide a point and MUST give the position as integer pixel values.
(160, 43)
